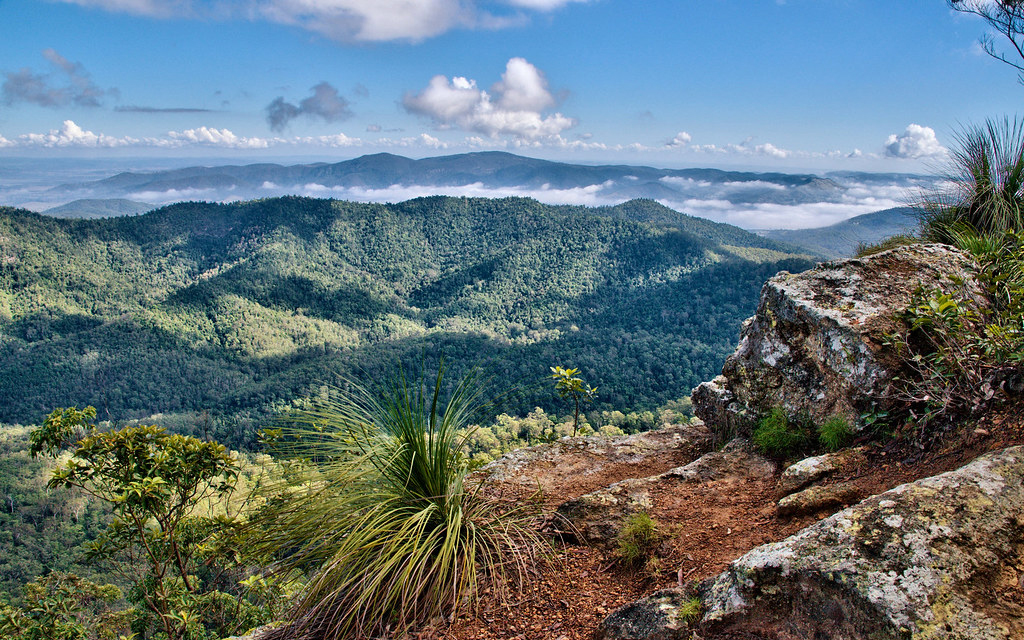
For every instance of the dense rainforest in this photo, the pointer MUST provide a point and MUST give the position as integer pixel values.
(209, 318)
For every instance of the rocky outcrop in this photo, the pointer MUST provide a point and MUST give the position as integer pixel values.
(597, 517)
(940, 558)
(590, 455)
(816, 344)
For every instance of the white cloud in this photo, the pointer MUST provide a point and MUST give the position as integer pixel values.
(217, 138)
(746, 148)
(516, 110)
(915, 142)
(768, 149)
(681, 140)
(72, 135)
(523, 88)
(343, 20)
(371, 20)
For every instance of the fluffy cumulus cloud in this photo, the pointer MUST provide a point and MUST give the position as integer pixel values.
(72, 135)
(68, 84)
(209, 136)
(915, 142)
(345, 20)
(514, 106)
(681, 140)
(325, 104)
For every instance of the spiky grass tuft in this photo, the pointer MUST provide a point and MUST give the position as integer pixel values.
(382, 517)
(985, 185)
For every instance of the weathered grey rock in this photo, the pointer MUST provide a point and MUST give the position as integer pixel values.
(659, 616)
(923, 560)
(816, 498)
(597, 517)
(938, 559)
(800, 474)
(593, 453)
(815, 346)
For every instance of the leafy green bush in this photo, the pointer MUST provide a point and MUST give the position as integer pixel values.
(776, 436)
(638, 540)
(155, 484)
(835, 433)
(62, 606)
(379, 512)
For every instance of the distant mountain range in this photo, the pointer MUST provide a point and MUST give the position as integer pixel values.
(841, 240)
(489, 169)
(761, 198)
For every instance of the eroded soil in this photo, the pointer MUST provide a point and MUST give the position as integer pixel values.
(706, 526)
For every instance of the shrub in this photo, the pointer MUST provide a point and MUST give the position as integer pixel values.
(835, 433)
(638, 539)
(776, 437)
(959, 358)
(381, 516)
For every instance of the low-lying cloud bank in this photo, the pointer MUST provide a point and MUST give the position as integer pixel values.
(719, 202)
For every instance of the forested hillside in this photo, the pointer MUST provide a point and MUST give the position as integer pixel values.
(216, 314)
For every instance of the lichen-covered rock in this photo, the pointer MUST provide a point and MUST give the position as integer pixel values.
(597, 517)
(818, 497)
(816, 344)
(802, 473)
(939, 558)
(663, 615)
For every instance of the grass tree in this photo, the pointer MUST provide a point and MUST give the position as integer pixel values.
(380, 514)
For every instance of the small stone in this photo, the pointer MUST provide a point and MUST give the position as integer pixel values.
(809, 470)
(818, 498)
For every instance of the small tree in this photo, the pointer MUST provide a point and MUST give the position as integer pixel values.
(1006, 17)
(570, 386)
(153, 482)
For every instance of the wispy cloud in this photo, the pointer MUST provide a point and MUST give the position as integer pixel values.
(137, 109)
(745, 148)
(515, 106)
(69, 84)
(325, 104)
(345, 20)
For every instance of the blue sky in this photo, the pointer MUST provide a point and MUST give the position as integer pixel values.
(784, 84)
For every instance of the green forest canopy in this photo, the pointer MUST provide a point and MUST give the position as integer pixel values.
(213, 316)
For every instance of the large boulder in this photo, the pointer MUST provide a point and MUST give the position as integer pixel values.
(816, 346)
(941, 558)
